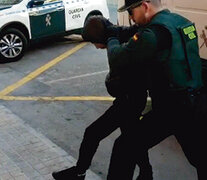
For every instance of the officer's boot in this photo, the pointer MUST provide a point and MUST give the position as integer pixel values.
(145, 173)
(68, 174)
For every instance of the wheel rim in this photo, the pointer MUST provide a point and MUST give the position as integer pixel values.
(11, 45)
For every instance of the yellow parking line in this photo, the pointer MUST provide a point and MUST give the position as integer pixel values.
(60, 98)
(40, 70)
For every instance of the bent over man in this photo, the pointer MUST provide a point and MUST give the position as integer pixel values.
(130, 101)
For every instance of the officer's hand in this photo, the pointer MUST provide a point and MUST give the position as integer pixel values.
(105, 21)
(112, 31)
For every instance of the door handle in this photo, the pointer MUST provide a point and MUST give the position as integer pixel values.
(60, 9)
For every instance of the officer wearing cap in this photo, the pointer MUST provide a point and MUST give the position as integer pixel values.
(125, 111)
(168, 44)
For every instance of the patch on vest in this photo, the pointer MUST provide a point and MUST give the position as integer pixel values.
(190, 31)
(135, 37)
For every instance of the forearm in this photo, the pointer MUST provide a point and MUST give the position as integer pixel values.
(140, 48)
(116, 54)
(125, 32)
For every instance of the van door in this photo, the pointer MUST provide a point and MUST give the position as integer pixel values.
(75, 13)
(47, 19)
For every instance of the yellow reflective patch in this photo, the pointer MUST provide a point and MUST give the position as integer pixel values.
(192, 36)
(135, 37)
(141, 117)
(189, 29)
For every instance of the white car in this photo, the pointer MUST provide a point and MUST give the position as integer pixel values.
(22, 21)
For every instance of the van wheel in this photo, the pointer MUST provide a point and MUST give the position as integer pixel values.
(13, 44)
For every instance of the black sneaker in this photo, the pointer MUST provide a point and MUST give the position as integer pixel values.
(145, 174)
(68, 174)
(145, 177)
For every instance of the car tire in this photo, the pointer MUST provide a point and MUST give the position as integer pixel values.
(13, 44)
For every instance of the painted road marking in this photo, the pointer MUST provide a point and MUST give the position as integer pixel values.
(40, 70)
(75, 77)
(4, 93)
(60, 98)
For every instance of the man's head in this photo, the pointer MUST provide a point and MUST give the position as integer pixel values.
(141, 11)
(94, 29)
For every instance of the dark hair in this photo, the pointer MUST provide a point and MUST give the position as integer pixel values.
(94, 30)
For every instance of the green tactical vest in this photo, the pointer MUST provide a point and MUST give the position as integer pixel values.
(183, 65)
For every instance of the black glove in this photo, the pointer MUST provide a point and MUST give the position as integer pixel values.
(112, 31)
(114, 86)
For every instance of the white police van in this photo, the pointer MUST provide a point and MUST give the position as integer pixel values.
(22, 21)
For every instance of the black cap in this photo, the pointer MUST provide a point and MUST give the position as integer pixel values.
(129, 4)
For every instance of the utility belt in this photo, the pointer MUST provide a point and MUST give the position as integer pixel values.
(203, 90)
(192, 95)
(186, 92)
(171, 98)
(187, 96)
(192, 92)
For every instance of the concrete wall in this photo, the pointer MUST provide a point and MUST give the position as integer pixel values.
(114, 2)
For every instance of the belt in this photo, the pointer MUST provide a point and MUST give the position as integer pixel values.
(193, 92)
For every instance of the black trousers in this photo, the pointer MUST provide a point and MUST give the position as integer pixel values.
(123, 114)
(180, 116)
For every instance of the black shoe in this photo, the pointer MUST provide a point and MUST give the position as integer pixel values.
(145, 174)
(68, 174)
(145, 177)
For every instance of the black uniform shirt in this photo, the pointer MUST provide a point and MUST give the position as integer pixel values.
(142, 47)
(143, 50)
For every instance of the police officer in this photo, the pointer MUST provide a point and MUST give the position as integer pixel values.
(168, 44)
(125, 111)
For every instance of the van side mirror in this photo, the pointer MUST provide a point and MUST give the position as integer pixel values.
(33, 3)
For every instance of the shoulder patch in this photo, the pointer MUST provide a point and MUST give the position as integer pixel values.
(135, 37)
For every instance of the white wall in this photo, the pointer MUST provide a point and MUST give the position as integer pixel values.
(112, 1)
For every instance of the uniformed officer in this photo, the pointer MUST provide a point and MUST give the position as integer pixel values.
(125, 111)
(168, 44)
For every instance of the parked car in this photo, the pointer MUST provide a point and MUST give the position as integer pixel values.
(22, 21)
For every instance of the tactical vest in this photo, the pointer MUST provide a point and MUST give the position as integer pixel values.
(183, 65)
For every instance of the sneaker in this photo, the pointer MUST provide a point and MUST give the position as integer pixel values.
(145, 177)
(68, 174)
(145, 174)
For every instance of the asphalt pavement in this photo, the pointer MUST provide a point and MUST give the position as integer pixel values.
(26, 154)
